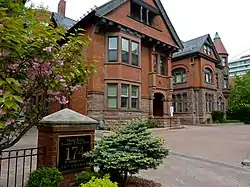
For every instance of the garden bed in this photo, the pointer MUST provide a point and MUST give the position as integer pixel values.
(140, 182)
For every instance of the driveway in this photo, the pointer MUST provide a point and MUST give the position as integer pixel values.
(204, 157)
(200, 157)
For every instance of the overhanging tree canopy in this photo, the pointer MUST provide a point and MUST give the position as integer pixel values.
(34, 62)
(239, 99)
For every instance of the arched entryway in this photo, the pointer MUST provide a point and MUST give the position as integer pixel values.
(158, 109)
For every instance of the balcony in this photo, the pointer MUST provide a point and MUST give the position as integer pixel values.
(160, 81)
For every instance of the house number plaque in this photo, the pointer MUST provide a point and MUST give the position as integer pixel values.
(71, 151)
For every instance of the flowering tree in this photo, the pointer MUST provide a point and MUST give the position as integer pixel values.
(35, 59)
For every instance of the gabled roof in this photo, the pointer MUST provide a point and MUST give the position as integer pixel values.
(195, 45)
(219, 45)
(62, 21)
(114, 4)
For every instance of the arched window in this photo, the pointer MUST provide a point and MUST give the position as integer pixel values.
(179, 75)
(208, 75)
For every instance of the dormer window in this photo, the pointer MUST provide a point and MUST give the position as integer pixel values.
(142, 12)
(207, 50)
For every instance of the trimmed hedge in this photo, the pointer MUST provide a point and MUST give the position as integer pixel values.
(95, 182)
(86, 176)
(45, 177)
(218, 116)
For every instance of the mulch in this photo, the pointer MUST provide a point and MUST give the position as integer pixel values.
(140, 182)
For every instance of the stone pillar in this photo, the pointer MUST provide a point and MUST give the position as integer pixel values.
(66, 135)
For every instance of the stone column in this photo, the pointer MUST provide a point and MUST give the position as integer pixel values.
(66, 135)
(151, 104)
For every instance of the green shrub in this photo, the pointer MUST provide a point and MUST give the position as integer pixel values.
(128, 151)
(151, 123)
(95, 182)
(86, 176)
(218, 116)
(45, 177)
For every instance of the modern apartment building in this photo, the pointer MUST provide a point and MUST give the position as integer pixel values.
(239, 66)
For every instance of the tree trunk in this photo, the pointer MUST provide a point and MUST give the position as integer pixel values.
(125, 178)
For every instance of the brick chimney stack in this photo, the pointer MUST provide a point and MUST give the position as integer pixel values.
(62, 7)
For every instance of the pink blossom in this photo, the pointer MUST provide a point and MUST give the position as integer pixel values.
(58, 77)
(62, 80)
(1, 25)
(60, 63)
(48, 49)
(9, 122)
(63, 100)
(1, 92)
(43, 69)
(64, 85)
(74, 88)
(13, 66)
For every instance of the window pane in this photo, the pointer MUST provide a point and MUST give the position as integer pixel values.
(135, 60)
(112, 90)
(113, 56)
(135, 53)
(125, 50)
(135, 91)
(135, 48)
(179, 78)
(155, 63)
(124, 102)
(134, 103)
(124, 90)
(113, 43)
(162, 65)
(112, 102)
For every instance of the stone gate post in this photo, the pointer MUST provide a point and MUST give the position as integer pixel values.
(66, 135)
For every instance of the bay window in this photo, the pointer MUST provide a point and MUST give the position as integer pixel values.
(129, 50)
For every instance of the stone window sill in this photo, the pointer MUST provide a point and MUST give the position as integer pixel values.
(119, 63)
(179, 83)
(121, 110)
(163, 76)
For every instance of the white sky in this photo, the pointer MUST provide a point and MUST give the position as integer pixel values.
(191, 18)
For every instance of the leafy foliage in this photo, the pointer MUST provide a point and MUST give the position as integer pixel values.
(128, 151)
(86, 176)
(36, 59)
(218, 116)
(45, 177)
(95, 182)
(151, 123)
(239, 99)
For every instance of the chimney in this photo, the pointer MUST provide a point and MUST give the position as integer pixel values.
(62, 7)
